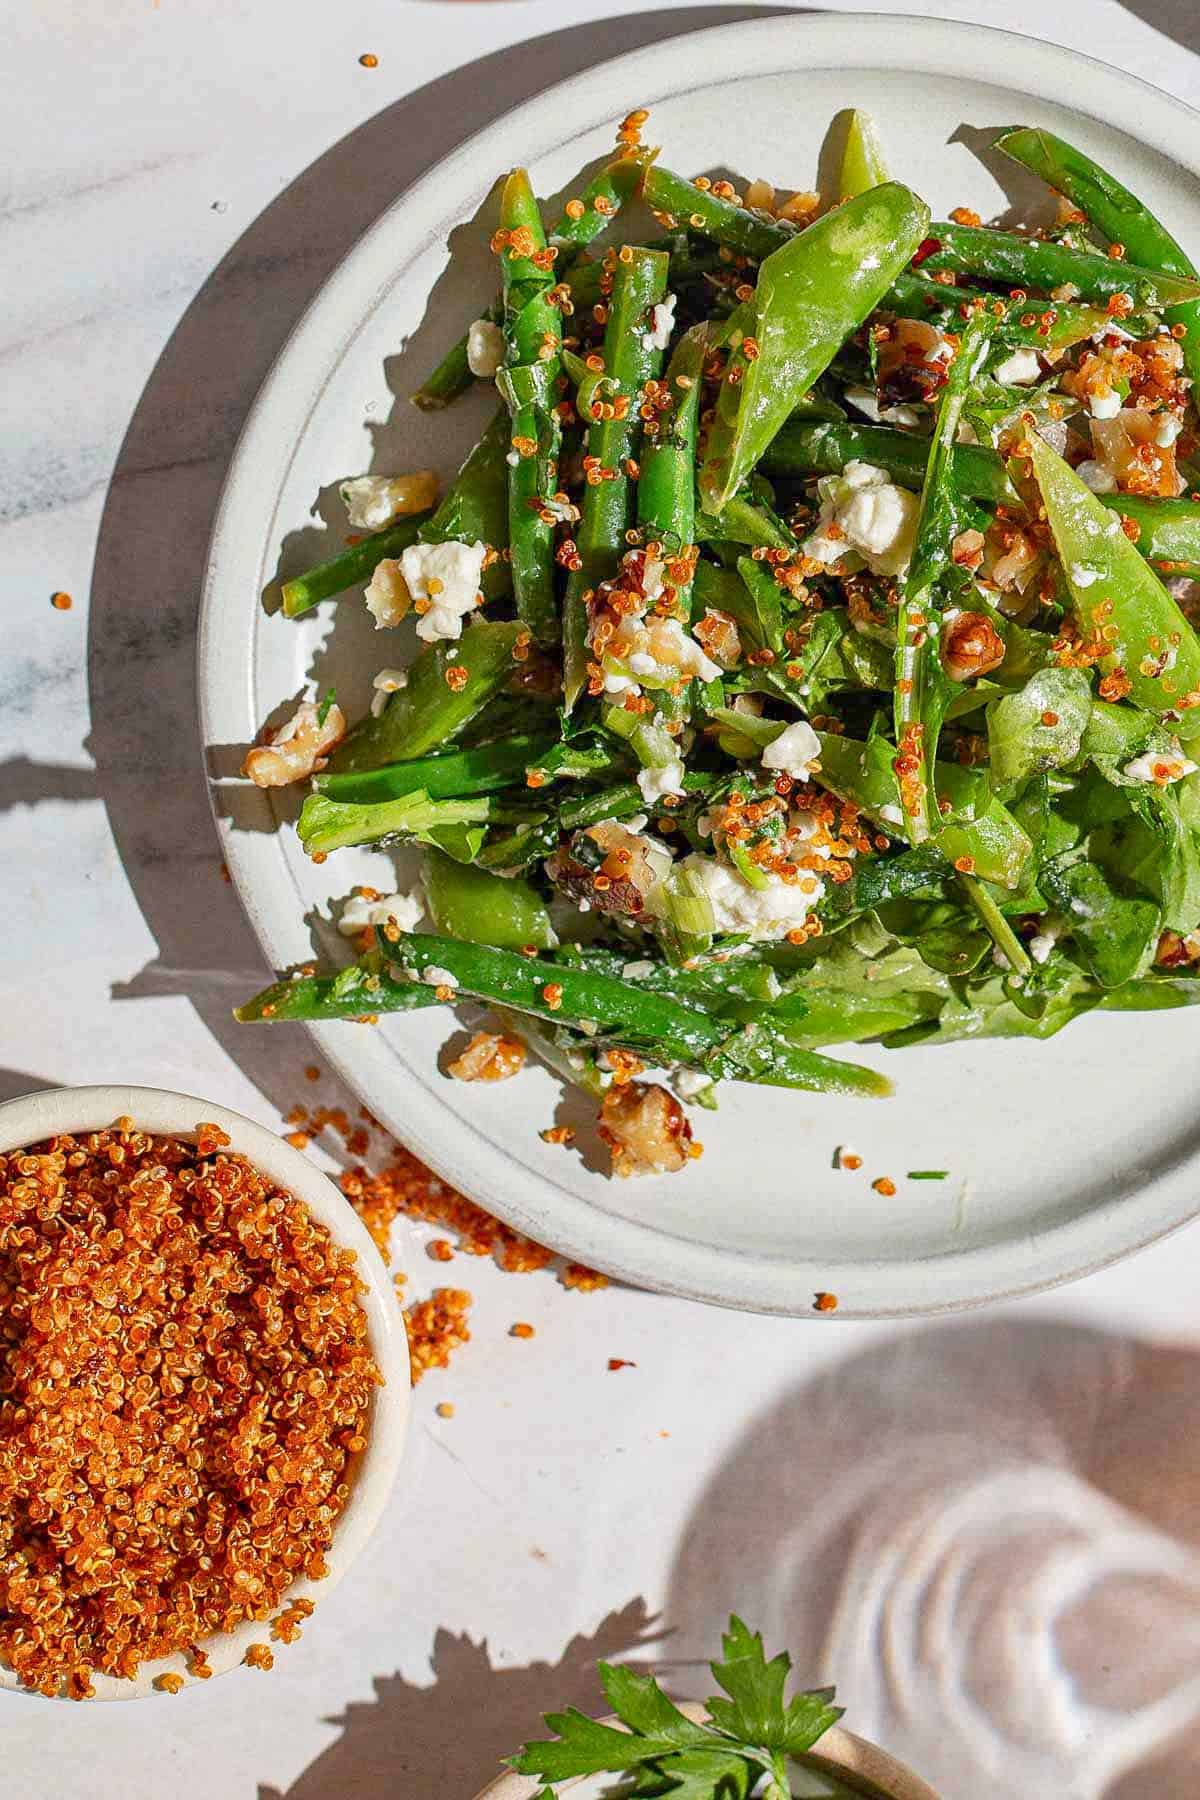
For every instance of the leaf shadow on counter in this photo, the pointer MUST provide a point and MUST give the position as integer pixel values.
(162, 500)
(988, 1536)
(450, 1738)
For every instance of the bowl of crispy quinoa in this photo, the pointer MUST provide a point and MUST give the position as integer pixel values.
(204, 1392)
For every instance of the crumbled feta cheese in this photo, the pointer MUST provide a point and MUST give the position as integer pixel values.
(761, 913)
(891, 815)
(1019, 369)
(874, 517)
(1082, 576)
(1104, 405)
(867, 402)
(638, 971)
(690, 1082)
(1041, 946)
(662, 324)
(794, 750)
(386, 683)
(1167, 430)
(485, 348)
(1097, 476)
(1161, 767)
(654, 783)
(654, 571)
(359, 913)
(642, 663)
(620, 684)
(456, 569)
(373, 501)
(433, 976)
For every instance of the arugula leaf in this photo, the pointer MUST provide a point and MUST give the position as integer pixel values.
(1114, 933)
(755, 1712)
(1039, 728)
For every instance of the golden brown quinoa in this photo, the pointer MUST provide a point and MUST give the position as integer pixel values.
(185, 1375)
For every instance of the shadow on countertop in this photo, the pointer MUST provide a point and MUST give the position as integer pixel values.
(987, 1534)
(1178, 19)
(162, 499)
(450, 1738)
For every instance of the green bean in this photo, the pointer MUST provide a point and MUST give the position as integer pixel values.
(629, 362)
(923, 689)
(617, 182)
(678, 202)
(528, 382)
(427, 711)
(804, 449)
(810, 295)
(1038, 264)
(666, 491)
(475, 509)
(1117, 214)
(446, 777)
(471, 903)
(1053, 328)
(355, 564)
(358, 992)
(616, 1008)
(741, 521)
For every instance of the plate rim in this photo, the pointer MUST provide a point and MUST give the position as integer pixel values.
(632, 1250)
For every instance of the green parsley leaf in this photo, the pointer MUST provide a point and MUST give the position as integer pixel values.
(755, 1712)
(641, 1704)
(697, 1775)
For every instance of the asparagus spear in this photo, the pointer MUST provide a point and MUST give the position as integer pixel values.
(630, 360)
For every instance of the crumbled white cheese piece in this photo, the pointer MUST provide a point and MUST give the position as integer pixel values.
(891, 815)
(1167, 430)
(867, 402)
(872, 515)
(1019, 369)
(359, 913)
(761, 913)
(638, 971)
(690, 1082)
(513, 458)
(1104, 405)
(794, 750)
(386, 683)
(1041, 946)
(485, 348)
(1161, 767)
(654, 783)
(662, 324)
(370, 501)
(433, 976)
(1082, 576)
(1097, 476)
(654, 571)
(456, 569)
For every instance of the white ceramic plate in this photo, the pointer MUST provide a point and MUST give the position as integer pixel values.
(1063, 1156)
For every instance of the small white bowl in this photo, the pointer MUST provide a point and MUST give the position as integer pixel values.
(37, 1116)
(863, 1767)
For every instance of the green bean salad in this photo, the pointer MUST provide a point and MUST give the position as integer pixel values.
(804, 653)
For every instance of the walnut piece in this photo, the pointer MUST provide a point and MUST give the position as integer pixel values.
(645, 1128)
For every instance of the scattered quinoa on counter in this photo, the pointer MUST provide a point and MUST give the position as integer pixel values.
(185, 1379)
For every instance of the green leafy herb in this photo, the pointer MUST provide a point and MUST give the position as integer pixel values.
(753, 1729)
(327, 701)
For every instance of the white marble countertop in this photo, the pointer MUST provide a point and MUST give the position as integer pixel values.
(909, 1508)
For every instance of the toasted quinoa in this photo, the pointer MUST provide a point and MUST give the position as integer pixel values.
(185, 1379)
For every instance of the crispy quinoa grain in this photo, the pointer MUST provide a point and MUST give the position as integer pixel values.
(184, 1376)
(436, 1328)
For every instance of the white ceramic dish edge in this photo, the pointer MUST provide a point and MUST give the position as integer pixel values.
(629, 1249)
(33, 1117)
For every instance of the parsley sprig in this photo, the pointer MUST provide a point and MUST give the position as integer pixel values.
(752, 1730)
